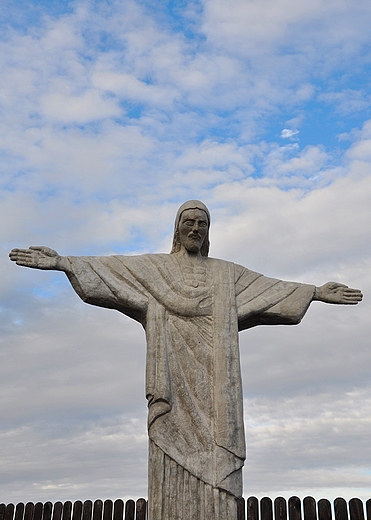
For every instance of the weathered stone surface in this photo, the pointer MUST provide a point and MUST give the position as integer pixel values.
(191, 307)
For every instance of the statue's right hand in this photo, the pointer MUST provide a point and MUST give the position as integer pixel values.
(37, 257)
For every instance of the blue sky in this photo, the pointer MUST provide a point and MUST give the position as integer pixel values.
(111, 115)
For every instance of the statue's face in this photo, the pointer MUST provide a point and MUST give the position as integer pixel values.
(192, 229)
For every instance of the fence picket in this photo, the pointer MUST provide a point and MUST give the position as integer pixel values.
(98, 510)
(130, 510)
(341, 509)
(280, 509)
(252, 508)
(141, 509)
(324, 509)
(19, 511)
(28, 511)
(38, 511)
(309, 508)
(118, 510)
(356, 509)
(294, 508)
(57, 511)
(368, 509)
(241, 510)
(47, 511)
(266, 509)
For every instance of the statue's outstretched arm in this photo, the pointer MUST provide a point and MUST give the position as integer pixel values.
(338, 293)
(40, 257)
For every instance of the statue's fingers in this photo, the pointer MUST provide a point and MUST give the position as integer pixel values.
(21, 254)
(353, 292)
(355, 298)
(350, 291)
(27, 262)
(22, 262)
(24, 258)
(16, 250)
(17, 256)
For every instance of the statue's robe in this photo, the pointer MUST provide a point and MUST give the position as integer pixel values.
(191, 314)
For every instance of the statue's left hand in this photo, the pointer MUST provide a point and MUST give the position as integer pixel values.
(334, 292)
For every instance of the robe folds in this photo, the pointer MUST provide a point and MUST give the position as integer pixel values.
(192, 313)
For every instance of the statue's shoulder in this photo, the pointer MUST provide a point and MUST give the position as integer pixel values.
(219, 262)
(157, 258)
(241, 274)
(228, 268)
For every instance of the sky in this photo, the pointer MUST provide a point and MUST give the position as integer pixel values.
(113, 113)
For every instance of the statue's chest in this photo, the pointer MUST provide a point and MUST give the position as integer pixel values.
(194, 276)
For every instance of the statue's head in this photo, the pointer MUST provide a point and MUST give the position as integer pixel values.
(185, 233)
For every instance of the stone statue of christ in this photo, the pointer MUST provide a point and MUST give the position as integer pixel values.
(191, 307)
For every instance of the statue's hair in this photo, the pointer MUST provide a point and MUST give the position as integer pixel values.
(191, 204)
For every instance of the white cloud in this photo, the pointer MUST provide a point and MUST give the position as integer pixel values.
(255, 26)
(289, 134)
(80, 109)
(360, 151)
(129, 87)
(348, 101)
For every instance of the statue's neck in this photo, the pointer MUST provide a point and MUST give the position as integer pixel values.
(190, 257)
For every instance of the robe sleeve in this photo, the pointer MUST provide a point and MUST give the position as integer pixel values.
(107, 282)
(267, 301)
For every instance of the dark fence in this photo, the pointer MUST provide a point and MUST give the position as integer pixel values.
(250, 509)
